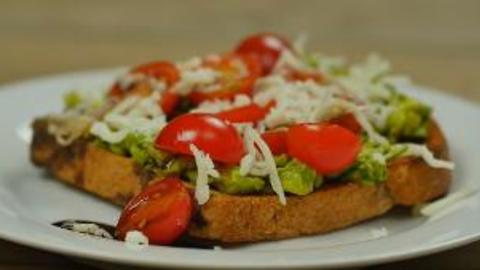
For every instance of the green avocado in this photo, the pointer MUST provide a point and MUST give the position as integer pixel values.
(408, 120)
(232, 182)
(297, 178)
(371, 165)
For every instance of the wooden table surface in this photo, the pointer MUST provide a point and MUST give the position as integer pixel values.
(437, 42)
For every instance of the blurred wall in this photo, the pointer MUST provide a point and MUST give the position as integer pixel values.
(436, 41)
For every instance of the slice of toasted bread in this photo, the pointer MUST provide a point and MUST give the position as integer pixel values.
(230, 218)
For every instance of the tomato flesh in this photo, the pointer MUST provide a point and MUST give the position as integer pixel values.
(238, 74)
(160, 70)
(276, 141)
(245, 114)
(266, 46)
(347, 121)
(162, 212)
(328, 148)
(169, 101)
(209, 133)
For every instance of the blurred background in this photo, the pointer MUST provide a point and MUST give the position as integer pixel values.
(437, 42)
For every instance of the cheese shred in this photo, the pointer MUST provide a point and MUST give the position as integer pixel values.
(205, 169)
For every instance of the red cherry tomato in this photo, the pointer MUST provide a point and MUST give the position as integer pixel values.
(328, 148)
(169, 101)
(161, 211)
(347, 121)
(162, 70)
(266, 46)
(249, 113)
(238, 74)
(276, 141)
(209, 133)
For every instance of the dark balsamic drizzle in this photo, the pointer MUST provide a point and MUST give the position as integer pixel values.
(184, 242)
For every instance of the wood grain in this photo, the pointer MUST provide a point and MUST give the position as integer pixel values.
(435, 41)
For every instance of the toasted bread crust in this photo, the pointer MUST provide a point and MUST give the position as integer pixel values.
(230, 218)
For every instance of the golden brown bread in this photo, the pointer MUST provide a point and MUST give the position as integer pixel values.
(229, 218)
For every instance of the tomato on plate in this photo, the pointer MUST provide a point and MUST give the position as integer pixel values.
(266, 46)
(347, 121)
(328, 148)
(238, 74)
(209, 133)
(276, 141)
(245, 114)
(162, 212)
(160, 70)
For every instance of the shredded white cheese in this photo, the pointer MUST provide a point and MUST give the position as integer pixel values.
(136, 238)
(205, 169)
(134, 114)
(87, 228)
(191, 79)
(68, 127)
(254, 139)
(422, 151)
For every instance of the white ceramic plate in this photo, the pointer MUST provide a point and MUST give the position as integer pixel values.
(30, 200)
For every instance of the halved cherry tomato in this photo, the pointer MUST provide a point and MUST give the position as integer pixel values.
(169, 101)
(161, 70)
(266, 46)
(249, 113)
(209, 133)
(276, 141)
(347, 121)
(162, 212)
(328, 148)
(238, 74)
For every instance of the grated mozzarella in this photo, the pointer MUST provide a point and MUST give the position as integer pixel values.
(68, 127)
(136, 238)
(252, 139)
(191, 79)
(133, 114)
(423, 152)
(205, 169)
(86, 228)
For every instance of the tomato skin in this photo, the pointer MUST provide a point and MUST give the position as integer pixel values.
(231, 81)
(209, 133)
(162, 70)
(169, 101)
(267, 46)
(249, 113)
(276, 141)
(162, 212)
(347, 121)
(328, 148)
